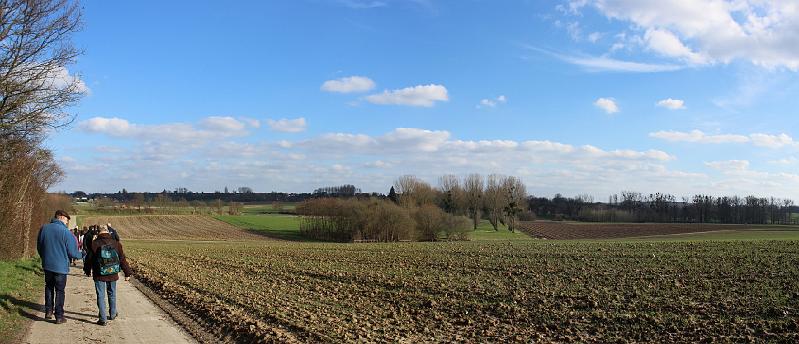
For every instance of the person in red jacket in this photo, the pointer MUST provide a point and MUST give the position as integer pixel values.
(100, 264)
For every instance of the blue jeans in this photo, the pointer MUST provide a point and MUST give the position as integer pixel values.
(102, 289)
(54, 284)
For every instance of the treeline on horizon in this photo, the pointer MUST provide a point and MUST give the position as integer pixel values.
(627, 206)
(241, 194)
(630, 206)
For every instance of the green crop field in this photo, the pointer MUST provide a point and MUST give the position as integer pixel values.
(521, 291)
(260, 209)
(285, 227)
(485, 232)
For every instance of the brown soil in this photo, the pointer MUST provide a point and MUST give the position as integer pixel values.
(576, 230)
(172, 227)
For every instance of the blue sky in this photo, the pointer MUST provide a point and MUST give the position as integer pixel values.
(573, 97)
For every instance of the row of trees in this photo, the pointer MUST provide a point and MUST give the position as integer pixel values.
(125, 196)
(415, 210)
(630, 206)
(161, 204)
(346, 190)
(35, 90)
(501, 199)
(373, 219)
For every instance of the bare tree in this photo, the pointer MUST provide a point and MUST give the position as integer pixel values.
(36, 87)
(515, 200)
(414, 191)
(451, 193)
(35, 91)
(138, 200)
(494, 200)
(473, 196)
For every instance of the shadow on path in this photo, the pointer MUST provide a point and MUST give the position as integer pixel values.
(34, 311)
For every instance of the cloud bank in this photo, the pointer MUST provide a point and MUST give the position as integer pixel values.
(421, 95)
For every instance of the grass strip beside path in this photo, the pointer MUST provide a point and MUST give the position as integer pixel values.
(20, 288)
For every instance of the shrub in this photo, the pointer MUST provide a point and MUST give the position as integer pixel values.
(334, 219)
(429, 222)
(456, 227)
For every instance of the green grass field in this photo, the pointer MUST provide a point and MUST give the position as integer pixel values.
(261, 209)
(485, 232)
(20, 288)
(286, 227)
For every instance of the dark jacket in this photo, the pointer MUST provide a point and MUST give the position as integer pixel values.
(89, 236)
(56, 245)
(113, 233)
(87, 239)
(93, 268)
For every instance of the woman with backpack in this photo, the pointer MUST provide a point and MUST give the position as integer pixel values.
(104, 261)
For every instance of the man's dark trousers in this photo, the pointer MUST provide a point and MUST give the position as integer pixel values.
(54, 284)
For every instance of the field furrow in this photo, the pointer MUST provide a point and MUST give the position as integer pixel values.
(472, 292)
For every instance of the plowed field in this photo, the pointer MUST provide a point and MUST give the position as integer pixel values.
(533, 291)
(587, 230)
(172, 227)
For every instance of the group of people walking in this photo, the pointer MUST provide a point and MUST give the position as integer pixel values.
(84, 238)
(103, 258)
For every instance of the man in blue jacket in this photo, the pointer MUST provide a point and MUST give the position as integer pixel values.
(55, 246)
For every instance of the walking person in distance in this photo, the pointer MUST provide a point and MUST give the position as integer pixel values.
(104, 261)
(56, 246)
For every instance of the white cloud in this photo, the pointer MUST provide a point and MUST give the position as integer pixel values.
(574, 30)
(288, 125)
(594, 37)
(761, 32)
(110, 126)
(209, 128)
(492, 102)
(698, 136)
(349, 84)
(785, 161)
(421, 95)
(602, 64)
(371, 162)
(61, 79)
(377, 164)
(671, 104)
(226, 123)
(728, 165)
(48, 79)
(772, 141)
(399, 139)
(757, 139)
(608, 64)
(434, 144)
(666, 43)
(607, 104)
(252, 122)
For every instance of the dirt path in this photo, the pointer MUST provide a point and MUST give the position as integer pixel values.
(139, 321)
